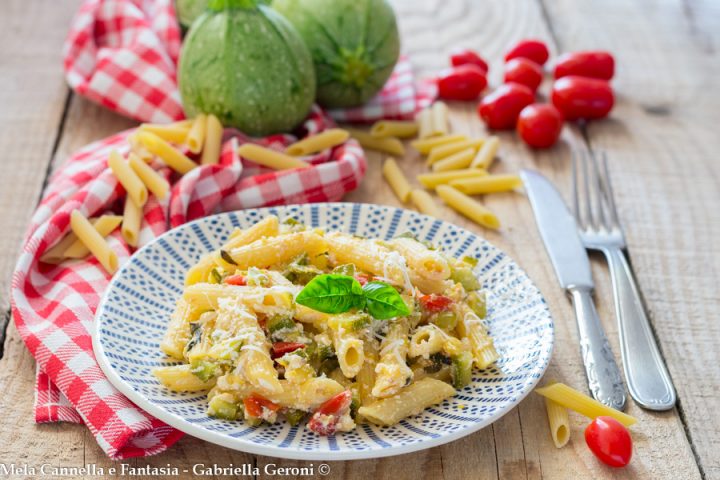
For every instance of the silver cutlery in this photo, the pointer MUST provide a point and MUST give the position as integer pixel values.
(599, 228)
(572, 267)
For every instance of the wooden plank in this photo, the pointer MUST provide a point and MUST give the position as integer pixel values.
(662, 148)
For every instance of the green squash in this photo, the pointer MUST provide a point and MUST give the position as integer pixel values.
(354, 44)
(247, 65)
(188, 10)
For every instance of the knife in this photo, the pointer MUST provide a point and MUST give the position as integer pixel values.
(572, 267)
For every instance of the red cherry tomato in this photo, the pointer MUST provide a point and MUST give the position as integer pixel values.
(581, 97)
(501, 108)
(610, 441)
(255, 403)
(534, 50)
(235, 280)
(466, 56)
(362, 278)
(539, 125)
(281, 348)
(464, 82)
(525, 72)
(592, 64)
(326, 417)
(435, 303)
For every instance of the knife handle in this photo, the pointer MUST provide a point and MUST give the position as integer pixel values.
(602, 372)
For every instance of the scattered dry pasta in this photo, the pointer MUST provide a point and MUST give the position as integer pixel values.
(396, 179)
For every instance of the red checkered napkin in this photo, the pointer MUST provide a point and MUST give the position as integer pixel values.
(123, 53)
(54, 305)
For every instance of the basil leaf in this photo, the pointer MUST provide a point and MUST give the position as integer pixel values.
(383, 301)
(332, 293)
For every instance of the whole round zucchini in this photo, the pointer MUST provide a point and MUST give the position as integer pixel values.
(246, 64)
(354, 44)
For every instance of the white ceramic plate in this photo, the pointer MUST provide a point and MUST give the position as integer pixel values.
(134, 312)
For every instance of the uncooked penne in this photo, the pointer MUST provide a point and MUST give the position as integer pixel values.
(455, 161)
(152, 179)
(104, 225)
(171, 156)
(559, 422)
(213, 141)
(432, 180)
(394, 128)
(396, 179)
(468, 207)
(196, 135)
(174, 133)
(424, 203)
(269, 158)
(54, 255)
(94, 242)
(132, 218)
(424, 121)
(444, 151)
(440, 122)
(390, 145)
(579, 402)
(425, 145)
(486, 154)
(138, 148)
(134, 187)
(318, 142)
(487, 184)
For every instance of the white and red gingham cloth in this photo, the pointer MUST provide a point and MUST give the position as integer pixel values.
(122, 54)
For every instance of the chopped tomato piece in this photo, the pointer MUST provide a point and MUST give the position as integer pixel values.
(281, 348)
(255, 403)
(325, 419)
(362, 278)
(435, 303)
(235, 280)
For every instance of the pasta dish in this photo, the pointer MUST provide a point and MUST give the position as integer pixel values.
(287, 321)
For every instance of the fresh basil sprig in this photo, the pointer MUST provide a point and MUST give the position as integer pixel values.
(335, 293)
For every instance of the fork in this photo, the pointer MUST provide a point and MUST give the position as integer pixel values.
(599, 227)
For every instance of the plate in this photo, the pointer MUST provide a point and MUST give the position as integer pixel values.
(135, 309)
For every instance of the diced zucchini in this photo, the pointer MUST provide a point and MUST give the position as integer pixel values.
(279, 322)
(204, 369)
(328, 365)
(354, 405)
(223, 406)
(477, 302)
(465, 277)
(446, 320)
(347, 269)
(461, 369)
(294, 416)
(472, 261)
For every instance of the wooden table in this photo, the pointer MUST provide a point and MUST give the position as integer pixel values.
(662, 146)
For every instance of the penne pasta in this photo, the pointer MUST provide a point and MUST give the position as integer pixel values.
(410, 401)
(455, 161)
(94, 242)
(485, 156)
(318, 142)
(426, 340)
(153, 180)
(432, 180)
(172, 157)
(559, 423)
(173, 133)
(471, 326)
(390, 145)
(196, 135)
(132, 218)
(444, 151)
(134, 187)
(427, 263)
(468, 207)
(104, 225)
(179, 378)
(425, 145)
(213, 141)
(396, 179)
(440, 123)
(584, 405)
(487, 184)
(394, 128)
(54, 255)
(269, 158)
(424, 122)
(138, 148)
(273, 250)
(392, 372)
(424, 203)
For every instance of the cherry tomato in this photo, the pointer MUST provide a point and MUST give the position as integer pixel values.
(326, 417)
(254, 405)
(525, 72)
(593, 64)
(362, 278)
(610, 441)
(281, 348)
(501, 108)
(534, 50)
(464, 82)
(466, 56)
(235, 280)
(539, 125)
(435, 303)
(581, 97)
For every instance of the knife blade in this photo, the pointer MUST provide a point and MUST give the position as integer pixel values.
(570, 261)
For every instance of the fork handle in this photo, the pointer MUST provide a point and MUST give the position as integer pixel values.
(647, 377)
(602, 372)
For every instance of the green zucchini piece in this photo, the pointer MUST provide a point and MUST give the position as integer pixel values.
(465, 277)
(294, 416)
(446, 320)
(461, 369)
(220, 407)
(477, 301)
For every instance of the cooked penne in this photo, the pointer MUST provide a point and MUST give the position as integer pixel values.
(468, 207)
(349, 347)
(178, 331)
(472, 327)
(456, 161)
(487, 184)
(410, 401)
(173, 133)
(392, 372)
(427, 263)
(104, 225)
(396, 179)
(390, 145)
(273, 250)
(269, 158)
(179, 378)
(394, 128)
(172, 157)
(132, 218)
(206, 296)
(584, 405)
(486, 154)
(444, 151)
(425, 145)
(196, 135)
(432, 180)
(426, 340)
(152, 179)
(559, 423)
(318, 142)
(440, 123)
(424, 203)
(134, 187)
(94, 242)
(213, 141)
(424, 122)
